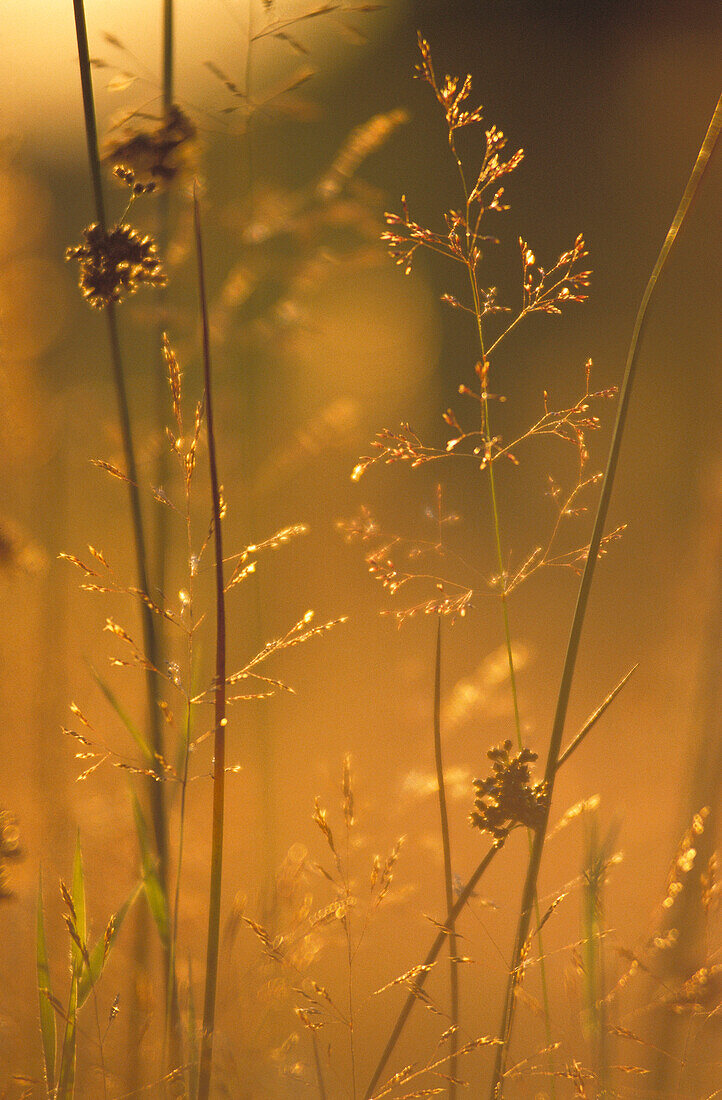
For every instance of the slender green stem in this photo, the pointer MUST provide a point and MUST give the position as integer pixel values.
(219, 762)
(448, 876)
(173, 1020)
(552, 764)
(157, 800)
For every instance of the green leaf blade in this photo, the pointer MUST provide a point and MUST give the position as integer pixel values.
(155, 896)
(124, 717)
(45, 993)
(101, 950)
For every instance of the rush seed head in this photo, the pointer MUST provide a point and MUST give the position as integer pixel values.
(114, 264)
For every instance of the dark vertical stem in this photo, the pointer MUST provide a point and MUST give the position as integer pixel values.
(167, 56)
(149, 634)
(160, 393)
(214, 906)
(585, 586)
(448, 879)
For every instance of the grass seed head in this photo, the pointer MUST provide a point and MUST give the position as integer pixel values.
(114, 264)
(508, 798)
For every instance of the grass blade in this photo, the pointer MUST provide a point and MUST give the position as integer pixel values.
(154, 893)
(78, 896)
(45, 993)
(448, 877)
(66, 1073)
(594, 718)
(124, 717)
(103, 947)
(219, 714)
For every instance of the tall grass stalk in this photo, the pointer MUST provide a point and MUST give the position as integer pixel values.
(219, 721)
(448, 874)
(156, 793)
(161, 471)
(552, 763)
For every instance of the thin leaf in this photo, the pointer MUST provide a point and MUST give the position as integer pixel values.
(45, 993)
(102, 949)
(594, 718)
(66, 1073)
(124, 717)
(153, 890)
(78, 896)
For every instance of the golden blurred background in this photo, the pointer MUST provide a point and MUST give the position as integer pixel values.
(319, 341)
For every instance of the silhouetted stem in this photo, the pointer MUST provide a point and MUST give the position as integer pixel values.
(219, 757)
(585, 585)
(167, 56)
(157, 801)
(161, 466)
(448, 877)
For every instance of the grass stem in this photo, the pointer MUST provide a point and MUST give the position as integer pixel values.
(219, 758)
(448, 877)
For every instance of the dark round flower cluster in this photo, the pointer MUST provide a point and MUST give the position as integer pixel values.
(114, 264)
(508, 798)
(161, 154)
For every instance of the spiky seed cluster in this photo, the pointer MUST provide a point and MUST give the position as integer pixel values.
(114, 264)
(508, 798)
